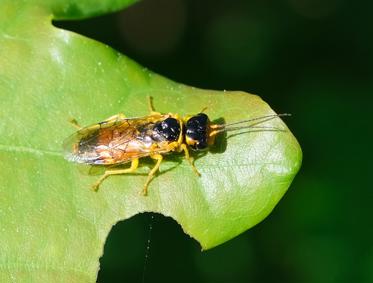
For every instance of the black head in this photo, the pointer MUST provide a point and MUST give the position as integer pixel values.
(196, 131)
(168, 129)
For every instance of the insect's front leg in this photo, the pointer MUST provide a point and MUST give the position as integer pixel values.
(183, 147)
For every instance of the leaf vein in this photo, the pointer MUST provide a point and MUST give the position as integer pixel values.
(36, 151)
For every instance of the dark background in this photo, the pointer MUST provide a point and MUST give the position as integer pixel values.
(311, 58)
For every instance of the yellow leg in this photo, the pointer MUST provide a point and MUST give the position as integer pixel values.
(150, 104)
(115, 117)
(134, 165)
(190, 159)
(75, 123)
(111, 119)
(151, 107)
(203, 109)
(159, 159)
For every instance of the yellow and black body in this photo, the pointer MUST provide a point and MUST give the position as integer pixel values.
(119, 140)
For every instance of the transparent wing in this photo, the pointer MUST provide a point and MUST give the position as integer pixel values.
(113, 142)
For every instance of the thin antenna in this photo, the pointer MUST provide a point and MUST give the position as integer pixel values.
(254, 127)
(270, 117)
(216, 129)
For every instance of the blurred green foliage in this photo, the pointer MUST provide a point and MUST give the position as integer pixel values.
(310, 58)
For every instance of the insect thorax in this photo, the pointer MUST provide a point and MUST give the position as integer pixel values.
(166, 130)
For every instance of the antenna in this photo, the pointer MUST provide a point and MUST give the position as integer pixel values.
(216, 129)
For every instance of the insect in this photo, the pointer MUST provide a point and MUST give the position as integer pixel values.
(119, 140)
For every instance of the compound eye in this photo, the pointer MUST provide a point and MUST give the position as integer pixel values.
(198, 122)
(202, 145)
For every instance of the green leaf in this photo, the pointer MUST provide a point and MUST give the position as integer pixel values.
(53, 227)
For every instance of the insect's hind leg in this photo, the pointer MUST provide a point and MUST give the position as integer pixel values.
(151, 174)
(115, 117)
(134, 165)
(74, 123)
(119, 116)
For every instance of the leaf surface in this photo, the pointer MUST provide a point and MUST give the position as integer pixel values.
(53, 227)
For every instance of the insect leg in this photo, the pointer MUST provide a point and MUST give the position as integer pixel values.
(74, 123)
(159, 159)
(203, 109)
(190, 159)
(115, 117)
(134, 165)
(151, 107)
